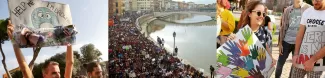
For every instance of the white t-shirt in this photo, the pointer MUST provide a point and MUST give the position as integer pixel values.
(314, 37)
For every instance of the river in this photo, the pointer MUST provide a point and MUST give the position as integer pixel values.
(196, 44)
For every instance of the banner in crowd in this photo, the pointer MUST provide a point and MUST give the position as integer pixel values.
(41, 23)
(313, 41)
(243, 57)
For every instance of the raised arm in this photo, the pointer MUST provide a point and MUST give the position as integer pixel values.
(27, 73)
(69, 62)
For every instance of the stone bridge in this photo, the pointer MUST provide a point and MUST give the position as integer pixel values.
(161, 15)
(164, 14)
(203, 23)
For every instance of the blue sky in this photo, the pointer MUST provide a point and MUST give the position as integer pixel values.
(89, 16)
(199, 1)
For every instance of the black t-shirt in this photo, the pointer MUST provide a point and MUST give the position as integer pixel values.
(267, 19)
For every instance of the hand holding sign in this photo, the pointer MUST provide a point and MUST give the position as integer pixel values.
(256, 73)
(309, 65)
(248, 36)
(254, 52)
(232, 47)
(10, 30)
(236, 60)
(223, 58)
(243, 47)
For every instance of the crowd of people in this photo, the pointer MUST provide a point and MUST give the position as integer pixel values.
(131, 54)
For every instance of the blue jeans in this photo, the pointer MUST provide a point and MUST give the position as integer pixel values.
(287, 48)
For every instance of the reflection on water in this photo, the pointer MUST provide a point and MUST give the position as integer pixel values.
(196, 44)
(188, 18)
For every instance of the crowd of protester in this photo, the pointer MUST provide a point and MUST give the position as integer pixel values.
(132, 55)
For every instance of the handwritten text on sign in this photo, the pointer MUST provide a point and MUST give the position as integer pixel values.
(313, 41)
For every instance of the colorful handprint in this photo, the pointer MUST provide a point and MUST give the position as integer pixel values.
(224, 71)
(261, 58)
(248, 35)
(232, 47)
(254, 52)
(222, 58)
(248, 63)
(243, 47)
(256, 73)
(240, 72)
(236, 60)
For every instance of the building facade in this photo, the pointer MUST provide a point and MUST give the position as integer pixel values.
(127, 5)
(191, 5)
(116, 7)
(144, 5)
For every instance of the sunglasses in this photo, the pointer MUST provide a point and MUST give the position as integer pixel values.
(259, 13)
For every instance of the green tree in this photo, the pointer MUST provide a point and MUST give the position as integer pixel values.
(3, 38)
(90, 53)
(60, 58)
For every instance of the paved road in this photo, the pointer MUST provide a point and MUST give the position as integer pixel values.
(275, 52)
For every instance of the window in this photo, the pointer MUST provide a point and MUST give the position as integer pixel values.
(116, 4)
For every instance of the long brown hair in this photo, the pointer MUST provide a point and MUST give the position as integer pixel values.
(244, 19)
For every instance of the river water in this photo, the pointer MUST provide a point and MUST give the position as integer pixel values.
(196, 44)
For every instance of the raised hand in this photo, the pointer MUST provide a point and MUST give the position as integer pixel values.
(256, 73)
(248, 36)
(224, 71)
(242, 73)
(235, 59)
(254, 52)
(243, 47)
(261, 58)
(249, 63)
(232, 47)
(222, 58)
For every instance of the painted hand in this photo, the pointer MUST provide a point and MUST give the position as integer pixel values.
(249, 63)
(261, 58)
(254, 52)
(243, 47)
(242, 73)
(222, 58)
(248, 36)
(256, 73)
(232, 47)
(236, 60)
(224, 71)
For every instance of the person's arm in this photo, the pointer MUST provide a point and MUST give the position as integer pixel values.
(270, 27)
(320, 54)
(27, 73)
(299, 38)
(69, 62)
(229, 24)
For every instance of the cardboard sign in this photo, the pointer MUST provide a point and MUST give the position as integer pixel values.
(41, 23)
(244, 57)
(314, 40)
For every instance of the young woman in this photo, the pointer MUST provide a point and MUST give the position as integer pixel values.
(254, 17)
